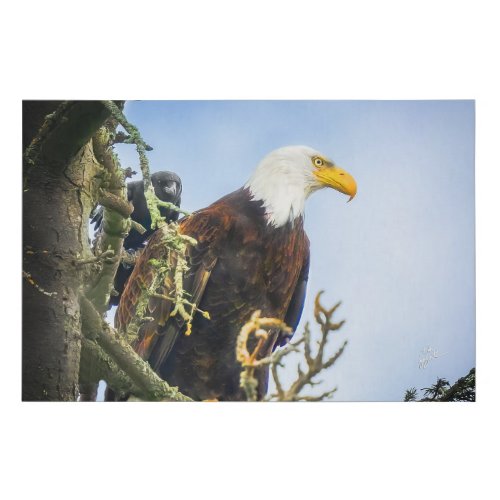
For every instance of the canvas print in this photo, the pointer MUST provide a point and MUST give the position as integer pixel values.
(248, 251)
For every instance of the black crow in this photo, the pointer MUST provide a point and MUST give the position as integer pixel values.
(168, 187)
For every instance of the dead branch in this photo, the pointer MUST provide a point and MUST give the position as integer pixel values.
(316, 363)
(260, 328)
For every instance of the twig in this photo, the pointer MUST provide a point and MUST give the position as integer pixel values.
(181, 303)
(321, 397)
(134, 138)
(276, 362)
(122, 138)
(315, 363)
(172, 266)
(173, 207)
(116, 203)
(106, 256)
(260, 328)
(138, 227)
(128, 172)
(315, 366)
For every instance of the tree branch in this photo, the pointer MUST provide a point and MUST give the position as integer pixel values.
(259, 327)
(115, 202)
(134, 137)
(97, 365)
(149, 385)
(315, 363)
(121, 138)
(116, 222)
(65, 132)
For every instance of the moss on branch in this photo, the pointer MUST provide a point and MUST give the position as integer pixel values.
(116, 203)
(116, 222)
(148, 385)
(65, 132)
(134, 137)
(169, 269)
(97, 365)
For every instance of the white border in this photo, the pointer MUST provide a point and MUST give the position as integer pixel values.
(222, 49)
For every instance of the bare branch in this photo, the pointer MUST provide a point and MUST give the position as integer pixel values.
(321, 397)
(316, 364)
(334, 358)
(260, 327)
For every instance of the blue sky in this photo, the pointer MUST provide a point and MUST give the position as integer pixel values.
(400, 256)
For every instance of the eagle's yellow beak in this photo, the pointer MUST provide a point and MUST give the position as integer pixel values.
(338, 179)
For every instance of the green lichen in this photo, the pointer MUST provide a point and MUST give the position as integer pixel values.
(168, 270)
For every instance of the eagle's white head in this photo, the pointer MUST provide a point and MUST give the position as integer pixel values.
(286, 177)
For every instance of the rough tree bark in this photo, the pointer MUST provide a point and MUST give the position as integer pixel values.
(59, 170)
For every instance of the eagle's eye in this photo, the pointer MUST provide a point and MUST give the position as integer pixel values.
(318, 162)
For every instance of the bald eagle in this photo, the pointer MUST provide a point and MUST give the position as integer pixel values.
(252, 253)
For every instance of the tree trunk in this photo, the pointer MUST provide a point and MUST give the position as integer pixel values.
(59, 190)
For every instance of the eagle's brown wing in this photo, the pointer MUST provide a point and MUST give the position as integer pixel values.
(157, 336)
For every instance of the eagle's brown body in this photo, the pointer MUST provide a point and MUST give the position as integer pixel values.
(241, 264)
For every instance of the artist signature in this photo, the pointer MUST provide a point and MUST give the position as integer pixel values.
(427, 355)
